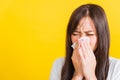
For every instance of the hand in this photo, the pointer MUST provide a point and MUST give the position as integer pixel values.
(77, 63)
(88, 60)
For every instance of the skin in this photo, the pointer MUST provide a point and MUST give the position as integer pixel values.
(83, 57)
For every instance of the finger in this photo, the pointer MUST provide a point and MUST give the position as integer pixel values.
(73, 59)
(90, 51)
(83, 48)
(76, 44)
(87, 44)
(81, 55)
(75, 55)
(87, 49)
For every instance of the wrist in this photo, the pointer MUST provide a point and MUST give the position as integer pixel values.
(77, 77)
(92, 77)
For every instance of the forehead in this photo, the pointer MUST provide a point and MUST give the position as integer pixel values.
(86, 24)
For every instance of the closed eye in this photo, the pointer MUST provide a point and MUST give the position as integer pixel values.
(90, 34)
(75, 34)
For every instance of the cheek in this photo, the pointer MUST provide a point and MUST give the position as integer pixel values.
(93, 43)
(74, 38)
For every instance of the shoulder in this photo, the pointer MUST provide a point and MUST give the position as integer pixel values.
(58, 63)
(114, 60)
(114, 69)
(56, 69)
(114, 63)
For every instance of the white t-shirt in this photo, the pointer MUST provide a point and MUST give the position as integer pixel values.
(113, 74)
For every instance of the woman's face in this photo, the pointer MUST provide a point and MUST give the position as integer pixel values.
(86, 28)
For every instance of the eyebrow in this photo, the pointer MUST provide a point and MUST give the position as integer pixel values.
(85, 31)
(89, 31)
(77, 31)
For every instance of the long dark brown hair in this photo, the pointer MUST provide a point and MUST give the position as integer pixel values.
(98, 16)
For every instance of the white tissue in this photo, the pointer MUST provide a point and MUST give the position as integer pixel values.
(73, 45)
(82, 38)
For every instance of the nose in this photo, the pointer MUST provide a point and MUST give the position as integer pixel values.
(82, 34)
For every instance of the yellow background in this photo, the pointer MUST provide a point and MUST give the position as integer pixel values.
(32, 35)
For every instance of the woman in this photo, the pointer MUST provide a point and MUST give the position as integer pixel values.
(88, 57)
